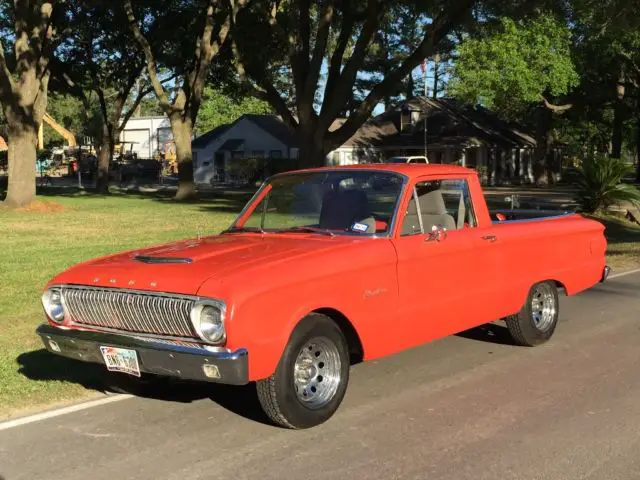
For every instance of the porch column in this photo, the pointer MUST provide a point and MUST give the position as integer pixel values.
(494, 164)
(512, 171)
(497, 166)
(521, 165)
(448, 155)
(530, 166)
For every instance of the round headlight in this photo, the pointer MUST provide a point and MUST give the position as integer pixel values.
(52, 303)
(208, 320)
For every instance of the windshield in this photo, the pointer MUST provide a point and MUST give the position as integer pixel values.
(334, 203)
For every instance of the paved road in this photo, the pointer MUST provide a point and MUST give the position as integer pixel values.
(460, 408)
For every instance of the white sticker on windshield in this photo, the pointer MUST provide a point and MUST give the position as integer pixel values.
(359, 227)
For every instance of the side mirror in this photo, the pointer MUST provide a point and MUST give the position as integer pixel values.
(437, 234)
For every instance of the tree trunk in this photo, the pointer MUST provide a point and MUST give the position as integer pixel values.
(21, 189)
(312, 151)
(436, 74)
(616, 137)
(618, 119)
(182, 136)
(638, 150)
(411, 88)
(104, 158)
(543, 133)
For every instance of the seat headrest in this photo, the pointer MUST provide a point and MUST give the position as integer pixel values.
(431, 203)
(340, 209)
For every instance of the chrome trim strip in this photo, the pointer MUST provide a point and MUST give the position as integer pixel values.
(535, 219)
(131, 341)
(161, 260)
(83, 327)
(127, 290)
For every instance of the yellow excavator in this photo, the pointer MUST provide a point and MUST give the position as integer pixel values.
(64, 133)
(170, 157)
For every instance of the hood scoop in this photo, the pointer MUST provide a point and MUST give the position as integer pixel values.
(162, 260)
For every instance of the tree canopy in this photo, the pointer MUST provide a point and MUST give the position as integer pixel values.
(570, 69)
(522, 63)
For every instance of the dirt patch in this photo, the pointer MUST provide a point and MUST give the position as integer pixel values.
(42, 206)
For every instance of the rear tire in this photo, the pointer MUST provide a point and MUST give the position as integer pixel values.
(311, 378)
(537, 321)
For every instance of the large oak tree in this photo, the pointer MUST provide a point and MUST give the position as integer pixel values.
(519, 68)
(305, 39)
(24, 79)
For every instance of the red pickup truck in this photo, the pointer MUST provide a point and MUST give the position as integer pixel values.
(323, 268)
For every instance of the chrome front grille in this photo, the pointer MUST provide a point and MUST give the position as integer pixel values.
(130, 311)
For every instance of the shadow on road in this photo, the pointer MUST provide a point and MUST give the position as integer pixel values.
(490, 333)
(40, 365)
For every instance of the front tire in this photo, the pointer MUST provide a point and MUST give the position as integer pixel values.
(311, 378)
(537, 321)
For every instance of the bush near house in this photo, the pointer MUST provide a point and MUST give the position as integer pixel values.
(600, 184)
(254, 169)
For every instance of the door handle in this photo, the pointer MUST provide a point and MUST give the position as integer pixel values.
(490, 238)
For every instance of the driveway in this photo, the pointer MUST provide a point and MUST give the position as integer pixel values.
(465, 407)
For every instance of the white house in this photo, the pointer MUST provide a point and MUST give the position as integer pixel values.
(146, 135)
(251, 135)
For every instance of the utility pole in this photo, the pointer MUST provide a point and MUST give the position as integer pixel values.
(423, 67)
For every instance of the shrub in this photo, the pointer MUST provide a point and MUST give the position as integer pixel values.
(244, 170)
(253, 169)
(600, 186)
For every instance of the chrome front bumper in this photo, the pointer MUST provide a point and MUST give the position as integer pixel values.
(155, 356)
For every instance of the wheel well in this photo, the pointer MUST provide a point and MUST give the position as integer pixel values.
(354, 343)
(560, 286)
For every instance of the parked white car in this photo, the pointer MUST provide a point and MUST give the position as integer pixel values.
(408, 159)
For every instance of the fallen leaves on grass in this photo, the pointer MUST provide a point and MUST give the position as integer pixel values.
(41, 206)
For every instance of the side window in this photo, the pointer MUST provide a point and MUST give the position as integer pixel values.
(446, 203)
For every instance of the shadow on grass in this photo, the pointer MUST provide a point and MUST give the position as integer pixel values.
(489, 333)
(40, 365)
(219, 199)
(618, 230)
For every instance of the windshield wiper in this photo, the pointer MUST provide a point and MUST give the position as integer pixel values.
(242, 229)
(322, 231)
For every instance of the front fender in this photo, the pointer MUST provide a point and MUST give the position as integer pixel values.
(263, 323)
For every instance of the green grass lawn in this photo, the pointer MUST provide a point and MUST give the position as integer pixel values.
(623, 236)
(37, 245)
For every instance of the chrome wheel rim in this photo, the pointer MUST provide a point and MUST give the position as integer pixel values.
(543, 306)
(317, 372)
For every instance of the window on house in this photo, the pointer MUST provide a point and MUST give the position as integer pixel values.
(348, 158)
(275, 154)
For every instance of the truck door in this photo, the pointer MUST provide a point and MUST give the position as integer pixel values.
(440, 263)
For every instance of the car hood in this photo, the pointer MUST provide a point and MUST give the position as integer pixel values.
(183, 266)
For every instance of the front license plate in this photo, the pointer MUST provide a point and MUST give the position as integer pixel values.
(121, 360)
